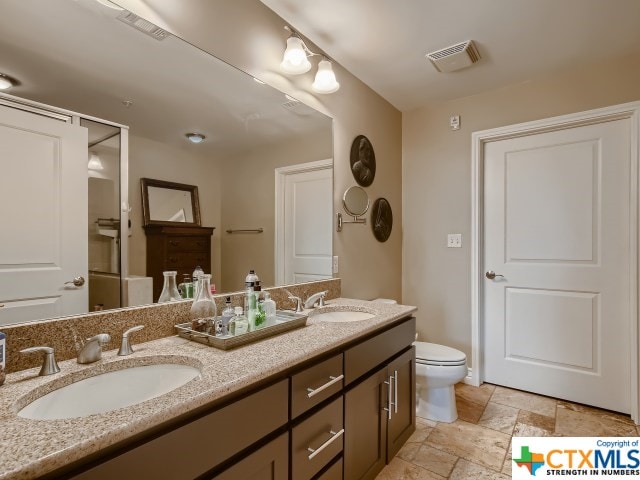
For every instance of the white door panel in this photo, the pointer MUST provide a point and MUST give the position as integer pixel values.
(557, 227)
(307, 196)
(43, 203)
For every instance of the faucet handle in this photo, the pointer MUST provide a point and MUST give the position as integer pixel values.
(101, 338)
(49, 366)
(125, 346)
(298, 301)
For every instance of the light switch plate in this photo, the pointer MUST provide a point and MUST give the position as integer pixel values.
(454, 240)
(335, 264)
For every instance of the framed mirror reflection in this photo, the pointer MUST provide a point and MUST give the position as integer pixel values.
(169, 203)
(251, 130)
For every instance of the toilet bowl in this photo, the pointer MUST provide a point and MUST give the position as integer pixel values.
(438, 369)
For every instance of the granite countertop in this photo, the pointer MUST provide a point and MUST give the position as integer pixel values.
(30, 448)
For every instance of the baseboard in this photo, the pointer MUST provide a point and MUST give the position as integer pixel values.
(467, 380)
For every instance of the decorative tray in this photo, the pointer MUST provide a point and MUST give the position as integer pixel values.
(285, 321)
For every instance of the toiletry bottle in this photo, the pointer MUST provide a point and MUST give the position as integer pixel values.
(227, 314)
(238, 324)
(252, 310)
(3, 357)
(249, 286)
(203, 309)
(194, 278)
(269, 307)
(169, 289)
(186, 287)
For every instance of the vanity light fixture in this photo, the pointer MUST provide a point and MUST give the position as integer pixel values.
(195, 137)
(295, 61)
(94, 162)
(7, 82)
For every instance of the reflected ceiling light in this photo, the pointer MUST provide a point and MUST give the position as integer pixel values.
(110, 4)
(195, 137)
(295, 61)
(325, 81)
(257, 80)
(94, 162)
(7, 82)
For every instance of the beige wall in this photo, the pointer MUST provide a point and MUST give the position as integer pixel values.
(437, 181)
(248, 201)
(151, 159)
(245, 33)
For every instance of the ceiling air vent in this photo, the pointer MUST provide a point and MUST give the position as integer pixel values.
(297, 107)
(143, 25)
(455, 57)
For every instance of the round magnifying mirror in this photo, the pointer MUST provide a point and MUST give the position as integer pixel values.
(355, 201)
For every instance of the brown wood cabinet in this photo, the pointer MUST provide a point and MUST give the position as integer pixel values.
(179, 248)
(270, 462)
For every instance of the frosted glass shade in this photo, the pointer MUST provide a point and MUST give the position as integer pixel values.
(325, 81)
(295, 59)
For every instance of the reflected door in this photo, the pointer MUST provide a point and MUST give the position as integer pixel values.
(557, 237)
(43, 206)
(304, 245)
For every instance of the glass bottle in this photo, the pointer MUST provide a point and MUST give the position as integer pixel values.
(169, 289)
(239, 323)
(194, 278)
(203, 309)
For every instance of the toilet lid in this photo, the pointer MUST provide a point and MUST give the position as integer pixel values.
(434, 354)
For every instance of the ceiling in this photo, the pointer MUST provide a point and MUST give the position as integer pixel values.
(175, 87)
(384, 42)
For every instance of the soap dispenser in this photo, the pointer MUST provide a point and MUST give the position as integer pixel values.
(238, 324)
(269, 307)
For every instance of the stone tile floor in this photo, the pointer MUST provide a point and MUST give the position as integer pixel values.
(478, 444)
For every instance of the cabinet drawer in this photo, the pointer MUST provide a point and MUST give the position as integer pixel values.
(323, 433)
(315, 384)
(186, 260)
(187, 244)
(365, 356)
(191, 450)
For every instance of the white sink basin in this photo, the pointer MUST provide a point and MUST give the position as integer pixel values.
(109, 391)
(341, 316)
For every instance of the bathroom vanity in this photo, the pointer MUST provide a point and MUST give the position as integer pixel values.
(330, 400)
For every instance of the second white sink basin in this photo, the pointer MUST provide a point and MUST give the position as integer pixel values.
(109, 391)
(341, 316)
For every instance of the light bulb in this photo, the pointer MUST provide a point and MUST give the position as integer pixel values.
(325, 81)
(295, 59)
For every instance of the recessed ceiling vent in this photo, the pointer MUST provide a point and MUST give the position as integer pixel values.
(455, 57)
(143, 25)
(297, 107)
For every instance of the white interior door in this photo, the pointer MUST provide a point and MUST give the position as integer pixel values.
(556, 228)
(305, 227)
(43, 206)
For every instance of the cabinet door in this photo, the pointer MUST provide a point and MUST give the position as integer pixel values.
(402, 375)
(366, 427)
(270, 462)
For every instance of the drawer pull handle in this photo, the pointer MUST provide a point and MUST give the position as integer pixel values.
(312, 392)
(173, 243)
(334, 435)
(389, 401)
(395, 388)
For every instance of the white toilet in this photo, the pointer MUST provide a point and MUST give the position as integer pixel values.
(438, 369)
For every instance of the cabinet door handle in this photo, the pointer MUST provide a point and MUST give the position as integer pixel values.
(174, 243)
(389, 402)
(312, 392)
(334, 436)
(395, 391)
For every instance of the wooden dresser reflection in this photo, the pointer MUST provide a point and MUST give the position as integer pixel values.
(179, 248)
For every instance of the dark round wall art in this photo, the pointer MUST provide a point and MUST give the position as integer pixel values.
(363, 161)
(381, 219)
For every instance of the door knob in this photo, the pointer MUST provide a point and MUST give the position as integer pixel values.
(491, 275)
(76, 282)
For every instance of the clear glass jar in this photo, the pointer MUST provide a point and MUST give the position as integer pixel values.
(170, 288)
(203, 309)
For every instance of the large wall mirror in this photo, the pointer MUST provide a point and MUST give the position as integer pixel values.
(87, 56)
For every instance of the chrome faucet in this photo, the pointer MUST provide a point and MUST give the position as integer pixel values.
(298, 301)
(316, 297)
(125, 346)
(92, 350)
(49, 366)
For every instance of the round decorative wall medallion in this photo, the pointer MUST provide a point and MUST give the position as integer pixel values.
(363, 161)
(381, 219)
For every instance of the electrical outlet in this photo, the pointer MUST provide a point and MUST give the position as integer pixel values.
(454, 240)
(454, 122)
(335, 264)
